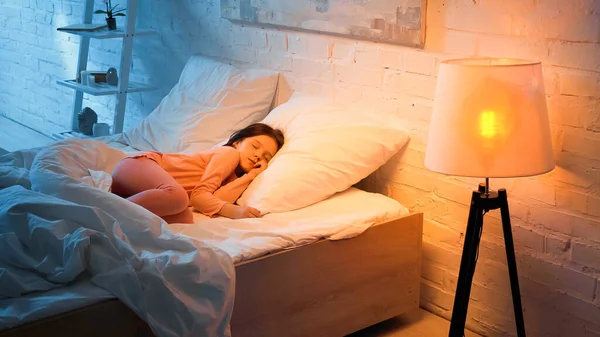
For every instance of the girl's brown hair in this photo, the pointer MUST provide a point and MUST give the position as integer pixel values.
(257, 129)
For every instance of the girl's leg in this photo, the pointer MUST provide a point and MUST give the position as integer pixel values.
(144, 182)
(187, 216)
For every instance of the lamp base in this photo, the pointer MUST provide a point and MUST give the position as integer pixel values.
(483, 201)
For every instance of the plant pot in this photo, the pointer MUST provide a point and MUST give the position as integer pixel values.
(112, 23)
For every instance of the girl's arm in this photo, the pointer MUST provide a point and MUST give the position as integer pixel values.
(221, 165)
(232, 191)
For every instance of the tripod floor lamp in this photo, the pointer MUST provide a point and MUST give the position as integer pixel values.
(489, 121)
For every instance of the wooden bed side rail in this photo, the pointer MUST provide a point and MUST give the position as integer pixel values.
(331, 288)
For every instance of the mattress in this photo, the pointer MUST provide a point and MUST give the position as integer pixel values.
(342, 216)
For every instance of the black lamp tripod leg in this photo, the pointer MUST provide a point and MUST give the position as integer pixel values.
(512, 263)
(467, 268)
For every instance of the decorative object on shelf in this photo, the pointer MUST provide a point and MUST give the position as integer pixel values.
(82, 77)
(87, 78)
(489, 121)
(99, 76)
(87, 118)
(112, 78)
(91, 80)
(91, 77)
(100, 129)
(111, 12)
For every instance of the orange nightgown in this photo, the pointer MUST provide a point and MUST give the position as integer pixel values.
(200, 174)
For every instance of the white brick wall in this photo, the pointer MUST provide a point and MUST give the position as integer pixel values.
(556, 217)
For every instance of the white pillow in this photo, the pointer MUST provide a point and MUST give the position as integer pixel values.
(210, 102)
(329, 146)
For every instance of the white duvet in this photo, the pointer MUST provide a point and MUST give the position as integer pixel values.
(55, 228)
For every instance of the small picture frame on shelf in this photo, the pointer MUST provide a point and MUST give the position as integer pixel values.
(109, 77)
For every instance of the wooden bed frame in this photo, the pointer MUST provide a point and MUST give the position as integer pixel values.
(328, 288)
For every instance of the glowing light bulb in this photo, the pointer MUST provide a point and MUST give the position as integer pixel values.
(488, 124)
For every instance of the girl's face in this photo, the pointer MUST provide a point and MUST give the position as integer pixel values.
(254, 150)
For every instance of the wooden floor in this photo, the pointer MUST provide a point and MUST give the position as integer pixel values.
(15, 136)
(417, 323)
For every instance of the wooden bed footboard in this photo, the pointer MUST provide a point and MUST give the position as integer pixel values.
(328, 288)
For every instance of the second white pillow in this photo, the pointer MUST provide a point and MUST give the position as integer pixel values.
(210, 101)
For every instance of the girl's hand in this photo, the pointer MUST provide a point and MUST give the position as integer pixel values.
(258, 168)
(239, 212)
(246, 212)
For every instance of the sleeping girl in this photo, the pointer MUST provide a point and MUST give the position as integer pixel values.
(209, 181)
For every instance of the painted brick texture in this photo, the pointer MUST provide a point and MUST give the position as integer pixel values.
(556, 216)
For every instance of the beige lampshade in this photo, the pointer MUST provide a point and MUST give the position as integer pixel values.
(489, 119)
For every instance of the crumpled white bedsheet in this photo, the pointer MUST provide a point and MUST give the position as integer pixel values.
(56, 228)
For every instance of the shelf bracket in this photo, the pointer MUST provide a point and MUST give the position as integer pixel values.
(84, 48)
(125, 67)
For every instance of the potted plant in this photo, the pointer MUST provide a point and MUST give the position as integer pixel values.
(111, 12)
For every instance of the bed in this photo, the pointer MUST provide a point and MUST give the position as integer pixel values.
(336, 288)
(305, 272)
(355, 256)
(328, 281)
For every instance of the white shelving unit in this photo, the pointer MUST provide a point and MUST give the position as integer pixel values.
(124, 86)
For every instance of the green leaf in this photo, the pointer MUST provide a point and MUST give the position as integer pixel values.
(100, 12)
(119, 14)
(120, 10)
